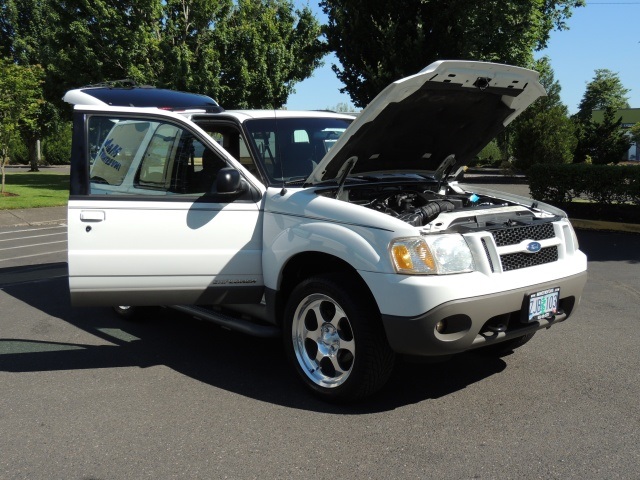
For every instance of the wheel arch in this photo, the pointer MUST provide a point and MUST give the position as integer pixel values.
(309, 264)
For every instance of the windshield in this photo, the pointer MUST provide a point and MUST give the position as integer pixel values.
(290, 148)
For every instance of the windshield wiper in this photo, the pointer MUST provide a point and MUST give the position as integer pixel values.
(295, 180)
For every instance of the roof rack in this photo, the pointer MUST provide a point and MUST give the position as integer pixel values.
(206, 108)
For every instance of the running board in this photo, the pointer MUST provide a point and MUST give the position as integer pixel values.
(227, 321)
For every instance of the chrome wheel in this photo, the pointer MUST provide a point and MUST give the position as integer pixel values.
(323, 340)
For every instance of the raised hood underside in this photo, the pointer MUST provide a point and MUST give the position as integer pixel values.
(451, 108)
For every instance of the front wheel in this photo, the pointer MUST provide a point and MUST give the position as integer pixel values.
(334, 337)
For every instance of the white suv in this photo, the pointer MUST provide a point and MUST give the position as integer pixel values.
(347, 236)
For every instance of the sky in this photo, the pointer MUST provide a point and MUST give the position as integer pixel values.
(603, 34)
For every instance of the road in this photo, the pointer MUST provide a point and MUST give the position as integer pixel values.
(86, 395)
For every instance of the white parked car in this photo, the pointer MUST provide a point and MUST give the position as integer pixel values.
(347, 236)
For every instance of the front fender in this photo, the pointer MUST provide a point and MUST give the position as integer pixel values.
(333, 239)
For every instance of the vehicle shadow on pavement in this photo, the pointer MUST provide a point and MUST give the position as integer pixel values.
(248, 366)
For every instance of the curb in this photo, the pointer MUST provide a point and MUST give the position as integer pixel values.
(32, 217)
(61, 222)
(605, 226)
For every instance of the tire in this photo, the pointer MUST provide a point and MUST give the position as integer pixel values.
(335, 340)
(508, 346)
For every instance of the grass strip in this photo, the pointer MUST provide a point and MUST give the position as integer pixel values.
(34, 190)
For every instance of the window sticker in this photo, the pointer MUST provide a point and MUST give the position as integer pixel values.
(117, 153)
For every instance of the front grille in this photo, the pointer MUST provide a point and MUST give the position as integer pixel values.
(514, 235)
(514, 261)
(486, 251)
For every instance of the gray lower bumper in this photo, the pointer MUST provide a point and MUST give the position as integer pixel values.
(471, 322)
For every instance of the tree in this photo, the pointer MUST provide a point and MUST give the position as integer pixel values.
(266, 48)
(245, 53)
(604, 91)
(341, 107)
(544, 133)
(20, 103)
(378, 41)
(635, 133)
(603, 142)
(25, 28)
(188, 44)
(102, 40)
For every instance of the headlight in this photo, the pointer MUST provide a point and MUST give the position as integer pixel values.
(439, 254)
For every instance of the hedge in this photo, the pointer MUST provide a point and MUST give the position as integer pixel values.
(605, 184)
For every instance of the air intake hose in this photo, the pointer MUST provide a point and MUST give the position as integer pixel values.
(428, 213)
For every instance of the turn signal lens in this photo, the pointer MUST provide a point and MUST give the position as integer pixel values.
(401, 257)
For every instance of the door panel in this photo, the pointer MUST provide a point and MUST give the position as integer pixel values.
(162, 248)
(148, 237)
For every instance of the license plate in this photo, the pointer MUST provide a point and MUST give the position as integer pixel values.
(543, 304)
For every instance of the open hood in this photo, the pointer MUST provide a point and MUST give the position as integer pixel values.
(433, 122)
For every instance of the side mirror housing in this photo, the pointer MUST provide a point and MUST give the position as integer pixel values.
(228, 182)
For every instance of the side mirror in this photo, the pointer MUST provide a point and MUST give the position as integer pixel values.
(228, 182)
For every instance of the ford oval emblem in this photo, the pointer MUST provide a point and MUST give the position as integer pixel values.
(533, 247)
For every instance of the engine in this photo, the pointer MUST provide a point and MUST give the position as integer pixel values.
(419, 208)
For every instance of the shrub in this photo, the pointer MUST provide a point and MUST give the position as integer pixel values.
(18, 152)
(490, 155)
(606, 184)
(56, 147)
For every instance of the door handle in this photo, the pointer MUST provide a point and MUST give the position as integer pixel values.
(92, 216)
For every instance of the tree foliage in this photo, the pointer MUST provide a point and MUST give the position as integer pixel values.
(102, 40)
(266, 48)
(21, 103)
(544, 133)
(395, 40)
(604, 91)
(25, 31)
(603, 142)
(245, 53)
(635, 133)
(188, 45)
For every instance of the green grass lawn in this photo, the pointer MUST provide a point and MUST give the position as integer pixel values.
(35, 189)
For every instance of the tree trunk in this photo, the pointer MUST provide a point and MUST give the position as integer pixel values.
(33, 154)
(3, 160)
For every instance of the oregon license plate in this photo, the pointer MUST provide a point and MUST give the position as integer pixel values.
(544, 303)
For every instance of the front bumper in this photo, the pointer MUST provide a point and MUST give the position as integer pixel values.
(477, 321)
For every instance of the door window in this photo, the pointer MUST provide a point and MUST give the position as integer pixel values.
(143, 157)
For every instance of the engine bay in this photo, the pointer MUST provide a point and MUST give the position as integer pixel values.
(451, 208)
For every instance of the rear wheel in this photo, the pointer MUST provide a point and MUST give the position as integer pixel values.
(334, 337)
